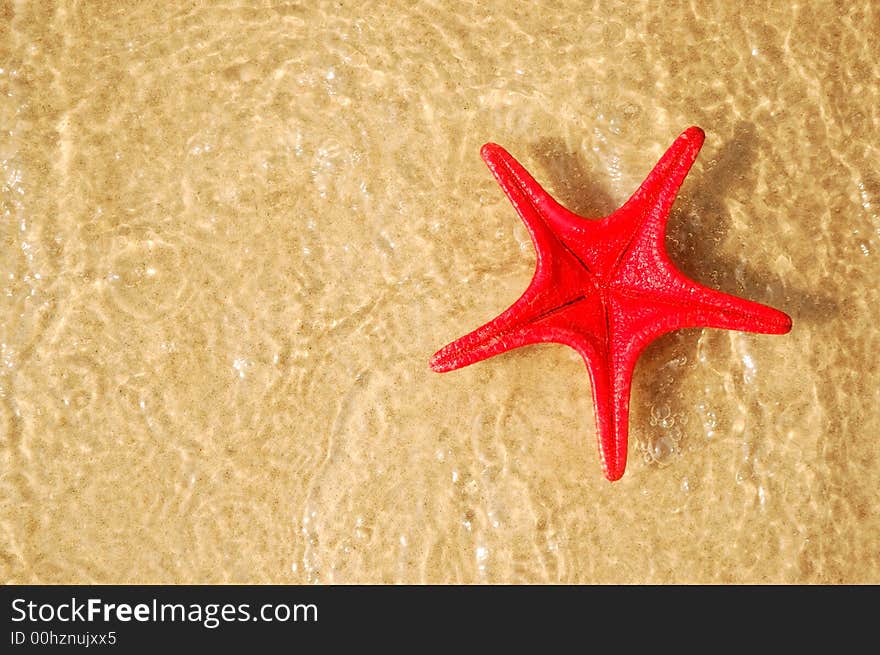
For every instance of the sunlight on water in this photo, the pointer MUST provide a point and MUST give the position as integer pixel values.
(233, 235)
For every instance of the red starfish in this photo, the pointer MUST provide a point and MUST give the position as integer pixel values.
(606, 288)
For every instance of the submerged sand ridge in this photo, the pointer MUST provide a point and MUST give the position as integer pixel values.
(234, 234)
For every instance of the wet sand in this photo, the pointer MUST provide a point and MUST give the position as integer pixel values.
(233, 235)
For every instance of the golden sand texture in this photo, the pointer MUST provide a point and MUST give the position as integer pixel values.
(234, 233)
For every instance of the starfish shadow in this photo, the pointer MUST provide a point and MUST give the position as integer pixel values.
(697, 226)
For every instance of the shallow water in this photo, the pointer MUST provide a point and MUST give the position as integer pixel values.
(234, 233)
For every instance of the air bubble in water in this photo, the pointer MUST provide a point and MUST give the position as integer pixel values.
(662, 450)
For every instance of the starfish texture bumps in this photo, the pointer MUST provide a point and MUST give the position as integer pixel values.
(606, 287)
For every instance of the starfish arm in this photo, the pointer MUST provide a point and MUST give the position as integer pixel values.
(699, 306)
(647, 210)
(611, 381)
(546, 220)
(506, 332)
(651, 314)
(545, 313)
